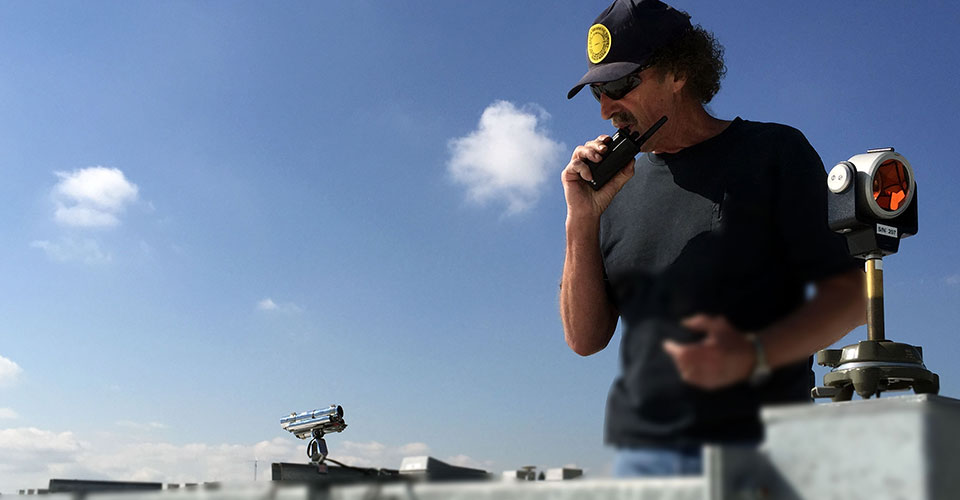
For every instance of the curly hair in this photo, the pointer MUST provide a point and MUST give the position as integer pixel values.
(699, 57)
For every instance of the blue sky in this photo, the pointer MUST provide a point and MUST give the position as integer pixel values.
(291, 212)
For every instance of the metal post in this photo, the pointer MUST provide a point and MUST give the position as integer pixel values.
(874, 268)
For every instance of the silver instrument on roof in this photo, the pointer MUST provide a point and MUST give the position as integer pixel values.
(315, 424)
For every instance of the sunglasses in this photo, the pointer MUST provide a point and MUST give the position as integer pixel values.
(618, 88)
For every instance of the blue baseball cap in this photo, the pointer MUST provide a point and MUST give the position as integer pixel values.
(623, 37)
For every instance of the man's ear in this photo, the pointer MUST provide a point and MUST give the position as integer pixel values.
(679, 81)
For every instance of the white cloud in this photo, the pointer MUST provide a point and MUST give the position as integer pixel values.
(507, 158)
(953, 280)
(268, 304)
(9, 371)
(92, 197)
(86, 250)
(28, 451)
(31, 439)
(7, 413)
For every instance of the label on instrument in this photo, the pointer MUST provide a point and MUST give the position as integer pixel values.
(887, 230)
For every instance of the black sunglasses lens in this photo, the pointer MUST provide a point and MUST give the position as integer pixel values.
(596, 92)
(616, 89)
(620, 88)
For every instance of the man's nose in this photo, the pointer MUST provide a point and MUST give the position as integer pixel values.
(607, 106)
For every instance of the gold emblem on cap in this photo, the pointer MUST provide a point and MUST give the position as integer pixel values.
(598, 43)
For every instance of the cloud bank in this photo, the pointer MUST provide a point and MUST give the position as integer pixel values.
(92, 197)
(28, 448)
(30, 457)
(508, 158)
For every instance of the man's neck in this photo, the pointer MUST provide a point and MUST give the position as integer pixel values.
(690, 125)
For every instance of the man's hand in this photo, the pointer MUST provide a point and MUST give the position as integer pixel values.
(582, 200)
(724, 356)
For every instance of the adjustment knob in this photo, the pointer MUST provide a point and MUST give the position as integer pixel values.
(840, 177)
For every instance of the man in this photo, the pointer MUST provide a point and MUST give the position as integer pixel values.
(705, 248)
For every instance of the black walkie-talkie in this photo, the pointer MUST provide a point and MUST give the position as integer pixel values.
(622, 148)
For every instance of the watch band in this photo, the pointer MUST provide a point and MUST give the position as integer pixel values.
(761, 369)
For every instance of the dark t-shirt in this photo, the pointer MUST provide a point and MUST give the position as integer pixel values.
(733, 226)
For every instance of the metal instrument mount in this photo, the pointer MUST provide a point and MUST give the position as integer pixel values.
(875, 365)
(317, 451)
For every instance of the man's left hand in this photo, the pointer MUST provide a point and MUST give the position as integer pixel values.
(723, 357)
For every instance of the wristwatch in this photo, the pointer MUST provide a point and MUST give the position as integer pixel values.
(761, 370)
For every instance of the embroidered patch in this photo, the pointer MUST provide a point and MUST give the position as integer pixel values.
(598, 43)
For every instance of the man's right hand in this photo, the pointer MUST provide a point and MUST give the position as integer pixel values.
(582, 200)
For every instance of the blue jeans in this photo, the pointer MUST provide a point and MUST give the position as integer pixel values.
(652, 462)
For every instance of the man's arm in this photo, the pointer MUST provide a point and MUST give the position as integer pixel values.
(725, 356)
(589, 319)
(840, 305)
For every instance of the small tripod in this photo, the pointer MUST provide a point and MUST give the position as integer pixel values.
(872, 366)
